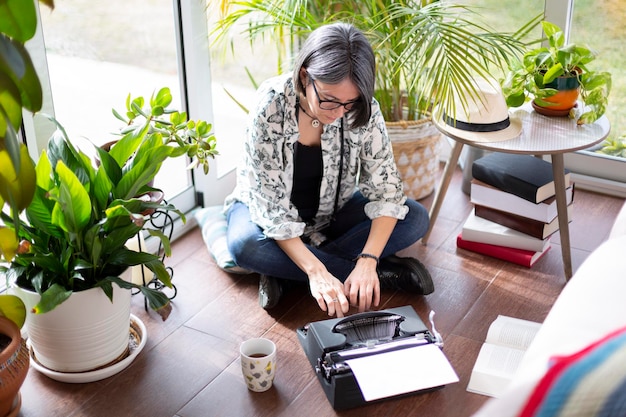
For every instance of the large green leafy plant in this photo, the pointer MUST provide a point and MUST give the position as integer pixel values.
(531, 76)
(88, 203)
(426, 51)
(20, 89)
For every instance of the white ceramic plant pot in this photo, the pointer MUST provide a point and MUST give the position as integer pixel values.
(85, 332)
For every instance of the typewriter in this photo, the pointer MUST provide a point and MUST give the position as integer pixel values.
(329, 344)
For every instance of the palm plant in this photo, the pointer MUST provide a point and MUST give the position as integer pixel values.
(426, 51)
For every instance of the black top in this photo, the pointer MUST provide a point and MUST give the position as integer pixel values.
(307, 179)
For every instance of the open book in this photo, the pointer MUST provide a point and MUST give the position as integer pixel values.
(503, 350)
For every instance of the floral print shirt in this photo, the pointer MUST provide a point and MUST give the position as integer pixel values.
(265, 177)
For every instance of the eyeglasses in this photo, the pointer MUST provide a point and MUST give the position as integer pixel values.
(331, 104)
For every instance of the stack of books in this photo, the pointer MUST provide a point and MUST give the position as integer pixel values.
(515, 211)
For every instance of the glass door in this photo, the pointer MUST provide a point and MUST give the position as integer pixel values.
(98, 53)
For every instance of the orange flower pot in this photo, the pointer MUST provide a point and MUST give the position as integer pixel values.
(14, 363)
(563, 101)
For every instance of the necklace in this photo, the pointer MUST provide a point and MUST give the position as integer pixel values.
(314, 122)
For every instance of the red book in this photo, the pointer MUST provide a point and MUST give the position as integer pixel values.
(518, 256)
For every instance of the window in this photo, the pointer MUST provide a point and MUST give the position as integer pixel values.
(600, 26)
(126, 42)
(97, 56)
(91, 56)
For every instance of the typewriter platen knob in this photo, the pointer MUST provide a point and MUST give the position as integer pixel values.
(438, 338)
(323, 369)
(318, 367)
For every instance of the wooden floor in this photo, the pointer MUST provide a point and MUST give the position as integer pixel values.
(190, 365)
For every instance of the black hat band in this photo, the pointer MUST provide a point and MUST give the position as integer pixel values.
(477, 127)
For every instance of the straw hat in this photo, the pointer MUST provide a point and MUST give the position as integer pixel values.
(484, 119)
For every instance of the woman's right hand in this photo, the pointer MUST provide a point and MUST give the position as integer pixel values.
(328, 292)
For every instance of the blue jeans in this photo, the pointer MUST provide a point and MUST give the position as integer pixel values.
(347, 235)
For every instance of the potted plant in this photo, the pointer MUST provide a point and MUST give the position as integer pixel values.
(557, 72)
(14, 356)
(426, 51)
(87, 204)
(614, 147)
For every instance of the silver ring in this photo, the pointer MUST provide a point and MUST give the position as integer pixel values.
(334, 300)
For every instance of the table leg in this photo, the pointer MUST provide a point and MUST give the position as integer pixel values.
(561, 205)
(440, 193)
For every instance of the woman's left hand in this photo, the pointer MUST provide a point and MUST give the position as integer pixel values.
(362, 286)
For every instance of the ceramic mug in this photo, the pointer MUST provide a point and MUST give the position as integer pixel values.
(258, 363)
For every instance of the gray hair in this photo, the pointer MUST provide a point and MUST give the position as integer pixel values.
(333, 53)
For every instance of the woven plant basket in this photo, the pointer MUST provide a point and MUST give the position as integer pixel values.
(416, 146)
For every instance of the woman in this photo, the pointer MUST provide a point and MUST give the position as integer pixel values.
(318, 196)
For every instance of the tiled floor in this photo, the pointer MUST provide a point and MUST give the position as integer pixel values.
(190, 365)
